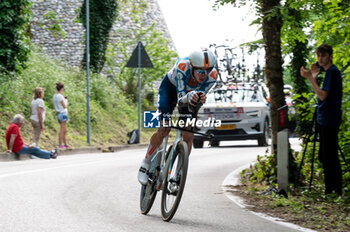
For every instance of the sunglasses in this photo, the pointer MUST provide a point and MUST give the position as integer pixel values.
(202, 71)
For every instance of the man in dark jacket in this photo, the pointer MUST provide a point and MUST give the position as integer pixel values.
(328, 115)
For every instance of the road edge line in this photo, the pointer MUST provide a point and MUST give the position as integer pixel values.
(233, 179)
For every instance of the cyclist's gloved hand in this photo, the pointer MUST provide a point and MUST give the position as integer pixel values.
(203, 98)
(192, 97)
(195, 97)
(196, 102)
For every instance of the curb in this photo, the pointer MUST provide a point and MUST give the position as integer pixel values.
(5, 157)
(12, 156)
(126, 147)
(233, 179)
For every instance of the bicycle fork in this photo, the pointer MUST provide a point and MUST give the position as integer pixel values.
(178, 139)
(159, 161)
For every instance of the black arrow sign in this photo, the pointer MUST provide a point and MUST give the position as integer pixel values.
(145, 60)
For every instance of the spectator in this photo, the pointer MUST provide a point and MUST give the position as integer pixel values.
(61, 104)
(37, 117)
(328, 115)
(15, 142)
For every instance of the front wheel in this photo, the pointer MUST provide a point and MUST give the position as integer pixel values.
(174, 181)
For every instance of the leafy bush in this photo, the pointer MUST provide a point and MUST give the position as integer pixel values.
(263, 171)
(102, 16)
(14, 19)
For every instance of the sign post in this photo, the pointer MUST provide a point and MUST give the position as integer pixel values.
(282, 149)
(88, 70)
(139, 59)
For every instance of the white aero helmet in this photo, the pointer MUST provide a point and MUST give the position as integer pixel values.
(203, 58)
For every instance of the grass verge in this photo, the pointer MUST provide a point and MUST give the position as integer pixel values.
(112, 113)
(309, 209)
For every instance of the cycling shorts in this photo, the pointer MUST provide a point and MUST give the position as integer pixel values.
(167, 98)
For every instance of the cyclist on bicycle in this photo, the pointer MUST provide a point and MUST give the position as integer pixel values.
(186, 83)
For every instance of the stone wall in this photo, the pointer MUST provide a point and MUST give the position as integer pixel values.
(71, 48)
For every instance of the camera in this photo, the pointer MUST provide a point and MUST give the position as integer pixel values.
(320, 67)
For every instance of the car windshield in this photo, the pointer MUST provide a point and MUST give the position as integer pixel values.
(234, 95)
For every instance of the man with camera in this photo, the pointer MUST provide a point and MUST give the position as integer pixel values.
(328, 114)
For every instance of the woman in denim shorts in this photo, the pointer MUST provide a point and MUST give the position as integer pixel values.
(60, 102)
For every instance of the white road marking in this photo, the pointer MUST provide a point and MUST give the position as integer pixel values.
(233, 179)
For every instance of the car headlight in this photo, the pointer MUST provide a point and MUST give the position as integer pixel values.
(255, 113)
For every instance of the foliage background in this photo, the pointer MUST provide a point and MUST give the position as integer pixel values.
(113, 110)
(109, 108)
(330, 23)
(157, 48)
(14, 19)
(306, 25)
(102, 15)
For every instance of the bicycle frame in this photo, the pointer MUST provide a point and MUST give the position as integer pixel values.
(178, 139)
(159, 159)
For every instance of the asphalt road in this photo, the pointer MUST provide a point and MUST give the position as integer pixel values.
(100, 192)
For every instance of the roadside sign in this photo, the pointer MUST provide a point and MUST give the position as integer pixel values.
(145, 60)
(139, 59)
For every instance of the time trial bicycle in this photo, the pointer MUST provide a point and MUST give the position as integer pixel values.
(167, 173)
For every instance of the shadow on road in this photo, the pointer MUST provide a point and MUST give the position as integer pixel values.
(187, 224)
(230, 146)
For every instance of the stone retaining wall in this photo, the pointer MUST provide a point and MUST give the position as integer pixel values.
(71, 48)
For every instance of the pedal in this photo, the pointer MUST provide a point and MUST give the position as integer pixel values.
(151, 177)
(173, 188)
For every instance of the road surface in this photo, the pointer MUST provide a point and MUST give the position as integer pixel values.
(100, 192)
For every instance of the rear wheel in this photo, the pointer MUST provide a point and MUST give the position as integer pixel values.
(197, 143)
(174, 181)
(148, 193)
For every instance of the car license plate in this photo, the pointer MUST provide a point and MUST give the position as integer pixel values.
(226, 127)
(224, 116)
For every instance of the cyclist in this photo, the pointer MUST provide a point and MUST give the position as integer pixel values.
(186, 83)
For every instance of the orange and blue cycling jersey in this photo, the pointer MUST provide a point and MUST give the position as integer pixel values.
(181, 77)
(178, 83)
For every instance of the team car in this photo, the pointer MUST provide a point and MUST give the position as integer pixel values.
(243, 110)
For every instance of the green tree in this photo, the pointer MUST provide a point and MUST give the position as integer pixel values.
(309, 23)
(14, 19)
(294, 42)
(270, 18)
(156, 45)
(102, 16)
(271, 25)
(295, 45)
